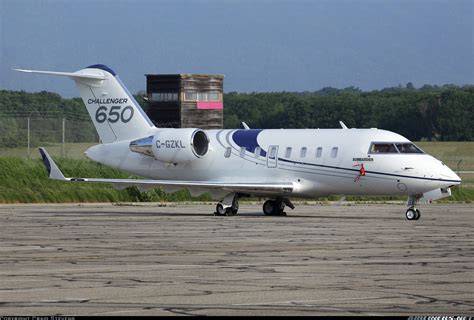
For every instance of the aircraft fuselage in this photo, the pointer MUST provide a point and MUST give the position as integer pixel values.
(318, 161)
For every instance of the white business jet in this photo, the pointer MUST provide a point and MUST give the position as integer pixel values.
(229, 164)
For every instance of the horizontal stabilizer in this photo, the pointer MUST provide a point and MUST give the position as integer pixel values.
(254, 188)
(65, 74)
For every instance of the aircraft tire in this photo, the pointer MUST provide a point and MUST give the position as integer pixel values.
(269, 208)
(418, 214)
(411, 214)
(220, 211)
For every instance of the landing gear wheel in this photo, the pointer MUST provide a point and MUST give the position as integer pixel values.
(418, 214)
(220, 211)
(274, 208)
(269, 207)
(229, 211)
(411, 214)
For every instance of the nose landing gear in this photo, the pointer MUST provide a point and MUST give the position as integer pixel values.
(412, 212)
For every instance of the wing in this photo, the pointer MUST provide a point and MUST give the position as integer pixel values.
(227, 187)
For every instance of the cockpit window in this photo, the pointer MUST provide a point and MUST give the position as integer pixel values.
(388, 147)
(408, 148)
(382, 148)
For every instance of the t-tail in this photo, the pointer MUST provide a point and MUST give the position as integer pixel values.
(115, 113)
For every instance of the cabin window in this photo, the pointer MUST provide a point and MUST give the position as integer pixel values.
(303, 152)
(227, 153)
(334, 152)
(408, 148)
(242, 152)
(272, 154)
(257, 152)
(288, 152)
(319, 152)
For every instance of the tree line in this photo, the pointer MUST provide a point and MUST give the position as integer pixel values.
(46, 111)
(429, 113)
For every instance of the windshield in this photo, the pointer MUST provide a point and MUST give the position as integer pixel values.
(393, 147)
(408, 148)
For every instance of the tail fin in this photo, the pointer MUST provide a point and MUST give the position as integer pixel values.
(115, 113)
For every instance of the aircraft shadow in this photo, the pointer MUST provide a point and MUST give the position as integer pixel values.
(199, 214)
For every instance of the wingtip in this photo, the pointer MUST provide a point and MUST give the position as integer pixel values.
(21, 70)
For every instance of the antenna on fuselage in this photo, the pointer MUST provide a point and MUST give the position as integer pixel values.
(343, 125)
(246, 127)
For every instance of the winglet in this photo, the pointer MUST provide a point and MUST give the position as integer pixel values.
(53, 170)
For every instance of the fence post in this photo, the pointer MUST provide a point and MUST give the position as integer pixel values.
(28, 136)
(458, 165)
(64, 134)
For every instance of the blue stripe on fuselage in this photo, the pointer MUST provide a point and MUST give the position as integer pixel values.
(248, 139)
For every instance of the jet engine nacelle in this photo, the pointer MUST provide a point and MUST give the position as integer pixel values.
(173, 145)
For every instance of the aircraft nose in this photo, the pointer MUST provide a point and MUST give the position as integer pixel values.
(448, 174)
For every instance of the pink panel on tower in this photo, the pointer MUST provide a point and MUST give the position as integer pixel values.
(210, 105)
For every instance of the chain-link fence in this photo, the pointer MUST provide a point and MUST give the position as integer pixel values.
(69, 136)
(21, 135)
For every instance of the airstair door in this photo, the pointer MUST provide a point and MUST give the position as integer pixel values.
(272, 157)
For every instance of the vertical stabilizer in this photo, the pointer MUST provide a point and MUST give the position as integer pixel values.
(115, 113)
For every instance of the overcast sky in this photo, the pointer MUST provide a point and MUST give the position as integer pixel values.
(258, 45)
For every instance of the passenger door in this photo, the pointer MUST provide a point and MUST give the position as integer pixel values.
(272, 157)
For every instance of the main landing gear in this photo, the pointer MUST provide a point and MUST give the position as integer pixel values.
(230, 206)
(412, 212)
(276, 207)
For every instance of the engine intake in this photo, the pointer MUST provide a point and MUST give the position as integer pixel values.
(173, 145)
